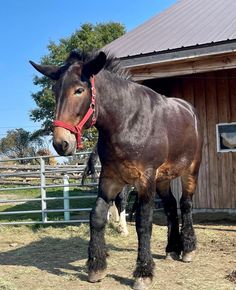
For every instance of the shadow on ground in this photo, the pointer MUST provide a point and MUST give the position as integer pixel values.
(54, 255)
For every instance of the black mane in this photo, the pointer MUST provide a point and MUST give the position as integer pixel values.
(112, 65)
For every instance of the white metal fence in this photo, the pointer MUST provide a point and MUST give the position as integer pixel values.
(66, 176)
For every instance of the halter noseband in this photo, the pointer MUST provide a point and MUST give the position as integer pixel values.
(77, 130)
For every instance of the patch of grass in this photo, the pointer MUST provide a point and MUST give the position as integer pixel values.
(51, 204)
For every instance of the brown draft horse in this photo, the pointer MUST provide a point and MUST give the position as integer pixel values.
(145, 140)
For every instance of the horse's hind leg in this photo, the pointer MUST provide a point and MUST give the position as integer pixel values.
(188, 237)
(173, 248)
(145, 264)
(121, 203)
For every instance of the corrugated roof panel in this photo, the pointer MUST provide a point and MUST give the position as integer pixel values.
(186, 23)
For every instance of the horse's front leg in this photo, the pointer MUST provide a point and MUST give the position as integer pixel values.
(145, 265)
(108, 189)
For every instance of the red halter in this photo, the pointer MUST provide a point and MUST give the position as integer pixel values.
(77, 130)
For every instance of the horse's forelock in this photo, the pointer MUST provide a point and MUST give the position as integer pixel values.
(74, 56)
(112, 64)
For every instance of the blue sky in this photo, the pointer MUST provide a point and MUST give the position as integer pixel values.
(27, 26)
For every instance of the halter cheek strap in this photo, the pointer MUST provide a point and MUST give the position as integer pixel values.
(77, 129)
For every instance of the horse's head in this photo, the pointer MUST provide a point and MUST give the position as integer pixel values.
(73, 93)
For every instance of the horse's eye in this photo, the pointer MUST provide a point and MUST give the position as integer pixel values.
(79, 91)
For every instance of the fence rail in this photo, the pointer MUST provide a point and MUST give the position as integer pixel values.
(45, 177)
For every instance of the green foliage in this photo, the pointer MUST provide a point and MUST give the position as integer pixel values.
(87, 38)
(19, 143)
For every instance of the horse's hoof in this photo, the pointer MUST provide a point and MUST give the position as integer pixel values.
(96, 276)
(172, 256)
(187, 257)
(142, 283)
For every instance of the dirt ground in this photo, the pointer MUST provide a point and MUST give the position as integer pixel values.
(55, 257)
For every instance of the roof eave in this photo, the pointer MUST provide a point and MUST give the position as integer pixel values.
(179, 54)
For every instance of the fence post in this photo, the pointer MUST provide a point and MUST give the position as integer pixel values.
(43, 190)
(66, 192)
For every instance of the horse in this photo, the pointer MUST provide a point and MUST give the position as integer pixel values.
(145, 140)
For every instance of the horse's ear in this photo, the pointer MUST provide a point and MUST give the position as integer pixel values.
(95, 65)
(51, 71)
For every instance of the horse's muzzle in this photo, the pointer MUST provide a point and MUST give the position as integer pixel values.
(64, 142)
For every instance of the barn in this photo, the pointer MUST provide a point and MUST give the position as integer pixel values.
(189, 51)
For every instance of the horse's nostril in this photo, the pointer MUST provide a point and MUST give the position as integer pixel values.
(65, 145)
(62, 147)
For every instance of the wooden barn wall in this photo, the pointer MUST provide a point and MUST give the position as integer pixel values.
(214, 96)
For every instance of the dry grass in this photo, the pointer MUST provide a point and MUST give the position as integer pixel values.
(55, 258)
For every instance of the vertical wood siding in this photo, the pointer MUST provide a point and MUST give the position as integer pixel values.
(214, 96)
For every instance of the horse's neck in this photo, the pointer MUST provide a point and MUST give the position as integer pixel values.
(111, 101)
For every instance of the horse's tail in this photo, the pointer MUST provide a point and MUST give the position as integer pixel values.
(90, 166)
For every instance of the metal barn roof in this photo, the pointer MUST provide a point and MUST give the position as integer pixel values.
(185, 24)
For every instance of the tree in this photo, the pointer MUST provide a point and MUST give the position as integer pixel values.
(19, 143)
(87, 38)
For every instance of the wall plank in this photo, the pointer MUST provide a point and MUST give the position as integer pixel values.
(200, 105)
(188, 89)
(224, 161)
(232, 92)
(212, 119)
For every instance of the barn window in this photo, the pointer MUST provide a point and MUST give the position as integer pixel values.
(226, 137)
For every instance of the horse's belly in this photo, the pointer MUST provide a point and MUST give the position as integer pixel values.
(135, 172)
(130, 171)
(170, 170)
